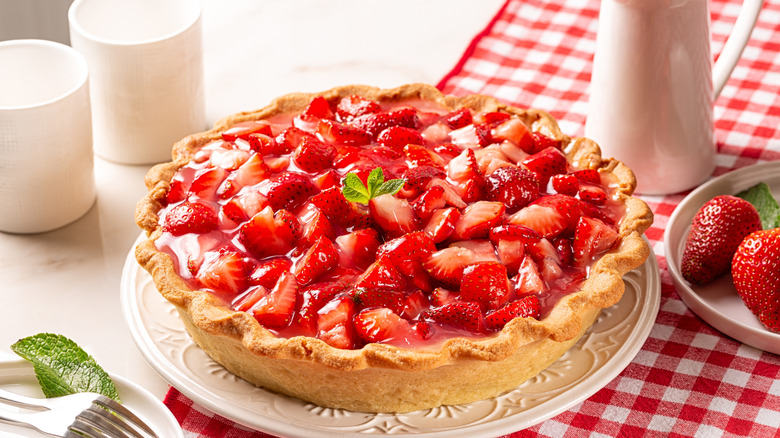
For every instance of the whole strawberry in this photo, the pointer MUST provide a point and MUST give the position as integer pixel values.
(756, 272)
(717, 229)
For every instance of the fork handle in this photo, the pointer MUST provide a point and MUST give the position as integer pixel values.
(27, 420)
(21, 401)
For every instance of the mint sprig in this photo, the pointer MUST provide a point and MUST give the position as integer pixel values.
(354, 190)
(62, 367)
(768, 210)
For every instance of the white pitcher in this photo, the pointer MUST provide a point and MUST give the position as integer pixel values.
(653, 87)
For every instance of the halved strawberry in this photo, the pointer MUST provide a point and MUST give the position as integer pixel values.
(207, 181)
(378, 122)
(223, 271)
(458, 118)
(514, 130)
(549, 215)
(397, 137)
(394, 215)
(265, 144)
(253, 171)
(315, 225)
(243, 129)
(312, 155)
(366, 298)
(485, 283)
(419, 178)
(460, 314)
(450, 194)
(483, 249)
(334, 323)
(177, 191)
(441, 296)
(381, 324)
(592, 238)
(311, 300)
(414, 304)
(588, 175)
(246, 301)
(542, 142)
(190, 217)
(526, 307)
(318, 260)
(267, 273)
(417, 155)
(381, 275)
(319, 108)
(446, 265)
(228, 159)
(353, 106)
(265, 235)
(514, 186)
(244, 206)
(409, 249)
(528, 280)
(477, 219)
(546, 163)
(465, 172)
(358, 249)
(335, 206)
(430, 201)
(593, 195)
(340, 133)
(289, 140)
(441, 225)
(510, 253)
(289, 191)
(277, 308)
(566, 184)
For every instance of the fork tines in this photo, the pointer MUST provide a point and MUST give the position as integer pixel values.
(106, 418)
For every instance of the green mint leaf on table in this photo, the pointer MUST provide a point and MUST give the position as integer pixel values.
(768, 210)
(354, 189)
(62, 367)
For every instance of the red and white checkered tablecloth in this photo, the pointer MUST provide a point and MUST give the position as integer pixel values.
(688, 380)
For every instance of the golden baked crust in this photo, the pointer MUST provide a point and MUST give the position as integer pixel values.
(380, 377)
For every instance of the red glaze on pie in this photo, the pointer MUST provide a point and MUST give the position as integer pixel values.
(360, 230)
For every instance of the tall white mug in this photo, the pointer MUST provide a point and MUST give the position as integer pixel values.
(146, 74)
(46, 161)
(652, 90)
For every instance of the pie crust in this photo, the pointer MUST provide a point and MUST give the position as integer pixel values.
(381, 377)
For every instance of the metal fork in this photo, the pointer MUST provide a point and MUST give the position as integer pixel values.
(78, 415)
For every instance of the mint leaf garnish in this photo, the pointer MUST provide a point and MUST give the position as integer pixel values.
(62, 367)
(354, 189)
(768, 210)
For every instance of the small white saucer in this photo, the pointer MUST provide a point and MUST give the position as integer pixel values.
(717, 303)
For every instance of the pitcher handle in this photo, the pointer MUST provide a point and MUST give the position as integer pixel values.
(735, 44)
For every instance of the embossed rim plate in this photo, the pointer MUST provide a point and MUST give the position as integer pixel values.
(17, 375)
(610, 345)
(717, 303)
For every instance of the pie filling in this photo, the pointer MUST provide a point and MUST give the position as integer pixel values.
(404, 223)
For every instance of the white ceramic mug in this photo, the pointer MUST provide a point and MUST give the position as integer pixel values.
(146, 74)
(652, 91)
(46, 161)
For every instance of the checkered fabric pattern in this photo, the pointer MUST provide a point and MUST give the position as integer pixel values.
(688, 380)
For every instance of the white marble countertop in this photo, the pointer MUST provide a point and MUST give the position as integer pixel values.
(67, 281)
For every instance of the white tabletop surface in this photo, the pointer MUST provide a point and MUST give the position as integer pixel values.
(67, 281)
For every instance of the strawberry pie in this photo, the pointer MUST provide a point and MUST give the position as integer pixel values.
(389, 250)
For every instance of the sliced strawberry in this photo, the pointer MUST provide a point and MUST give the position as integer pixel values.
(253, 171)
(592, 238)
(287, 227)
(450, 194)
(378, 122)
(465, 171)
(514, 130)
(417, 155)
(276, 310)
(319, 108)
(514, 186)
(528, 280)
(315, 225)
(460, 314)
(419, 178)
(334, 323)
(354, 106)
(407, 251)
(588, 175)
(522, 233)
(228, 159)
(394, 215)
(430, 201)
(224, 272)
(397, 137)
(267, 273)
(190, 217)
(312, 155)
(564, 249)
(243, 129)
(358, 249)
(441, 296)
(246, 301)
(477, 219)
(381, 324)
(593, 195)
(566, 184)
(448, 150)
(414, 304)
(339, 133)
(177, 191)
(510, 253)
(289, 140)
(265, 235)
(482, 248)
(526, 307)
(381, 275)
(318, 260)
(244, 206)
(333, 203)
(549, 215)
(289, 191)
(441, 225)
(485, 283)
(265, 144)
(542, 142)
(459, 118)
(546, 163)
(312, 298)
(366, 298)
(207, 181)
(446, 265)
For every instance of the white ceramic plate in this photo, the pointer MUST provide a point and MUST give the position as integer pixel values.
(717, 303)
(17, 375)
(590, 365)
